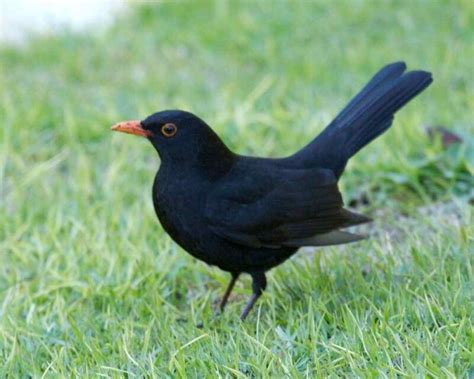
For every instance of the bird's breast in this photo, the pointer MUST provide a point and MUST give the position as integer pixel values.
(179, 204)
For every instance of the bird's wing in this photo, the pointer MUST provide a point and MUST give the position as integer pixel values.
(284, 208)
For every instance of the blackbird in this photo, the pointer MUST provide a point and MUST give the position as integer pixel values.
(248, 214)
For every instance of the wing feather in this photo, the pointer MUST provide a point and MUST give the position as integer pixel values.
(291, 208)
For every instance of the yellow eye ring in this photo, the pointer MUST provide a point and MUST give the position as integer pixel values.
(169, 130)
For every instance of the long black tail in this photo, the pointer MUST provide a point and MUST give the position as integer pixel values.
(367, 116)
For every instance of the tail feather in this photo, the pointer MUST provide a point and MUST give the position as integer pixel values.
(367, 116)
(384, 76)
(376, 116)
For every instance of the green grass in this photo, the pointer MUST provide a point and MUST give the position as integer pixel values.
(91, 286)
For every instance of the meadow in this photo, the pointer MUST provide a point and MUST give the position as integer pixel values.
(91, 285)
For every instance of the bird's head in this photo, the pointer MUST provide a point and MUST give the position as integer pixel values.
(178, 136)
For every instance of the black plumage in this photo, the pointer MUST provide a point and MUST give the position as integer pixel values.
(248, 214)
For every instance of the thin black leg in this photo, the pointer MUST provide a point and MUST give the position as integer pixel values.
(258, 286)
(235, 275)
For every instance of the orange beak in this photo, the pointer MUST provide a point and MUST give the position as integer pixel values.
(131, 127)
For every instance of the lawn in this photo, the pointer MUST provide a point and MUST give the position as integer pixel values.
(91, 286)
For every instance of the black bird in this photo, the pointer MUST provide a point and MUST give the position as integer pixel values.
(247, 214)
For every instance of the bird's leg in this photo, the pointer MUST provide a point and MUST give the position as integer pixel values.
(259, 284)
(235, 275)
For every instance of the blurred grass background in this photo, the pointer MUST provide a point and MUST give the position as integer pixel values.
(89, 283)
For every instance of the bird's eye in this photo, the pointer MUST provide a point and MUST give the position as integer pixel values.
(169, 130)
